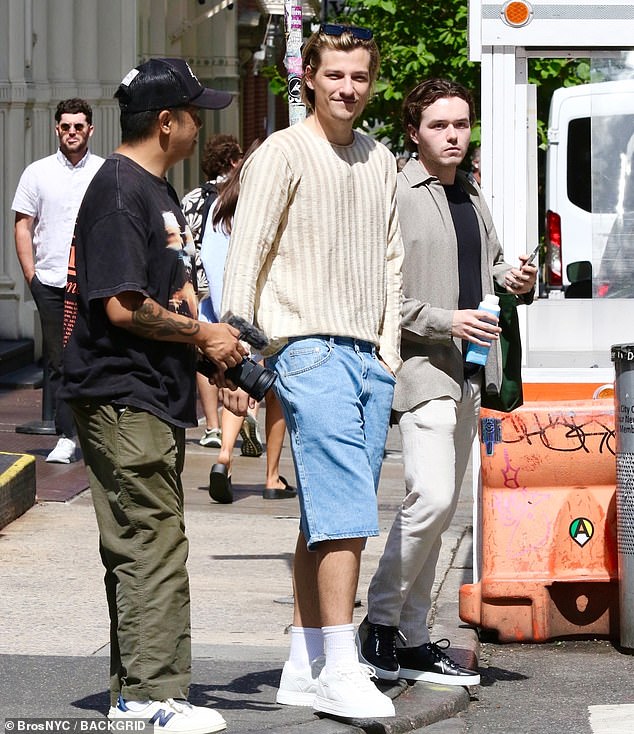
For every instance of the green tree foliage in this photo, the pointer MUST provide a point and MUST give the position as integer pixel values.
(419, 39)
(548, 75)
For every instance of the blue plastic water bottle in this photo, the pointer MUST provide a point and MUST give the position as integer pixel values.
(477, 354)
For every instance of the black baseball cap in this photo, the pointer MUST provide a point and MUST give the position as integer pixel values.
(160, 84)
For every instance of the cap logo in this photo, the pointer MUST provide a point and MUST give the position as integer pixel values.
(189, 69)
(129, 77)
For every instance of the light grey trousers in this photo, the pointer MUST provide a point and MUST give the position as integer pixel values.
(436, 438)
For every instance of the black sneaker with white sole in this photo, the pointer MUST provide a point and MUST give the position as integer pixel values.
(376, 645)
(430, 663)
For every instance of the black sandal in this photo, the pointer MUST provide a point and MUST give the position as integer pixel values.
(220, 484)
(277, 493)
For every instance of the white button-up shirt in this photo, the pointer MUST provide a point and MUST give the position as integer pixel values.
(51, 190)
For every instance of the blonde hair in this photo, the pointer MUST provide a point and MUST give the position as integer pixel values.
(346, 41)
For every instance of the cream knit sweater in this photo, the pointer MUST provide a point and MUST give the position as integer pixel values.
(316, 245)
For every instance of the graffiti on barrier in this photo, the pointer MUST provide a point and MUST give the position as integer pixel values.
(524, 513)
(526, 518)
(556, 432)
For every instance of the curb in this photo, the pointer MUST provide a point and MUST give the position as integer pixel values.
(17, 486)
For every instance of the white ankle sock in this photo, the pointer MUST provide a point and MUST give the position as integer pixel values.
(137, 705)
(307, 643)
(339, 644)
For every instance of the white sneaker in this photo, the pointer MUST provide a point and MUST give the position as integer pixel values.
(179, 717)
(212, 437)
(298, 687)
(349, 692)
(64, 452)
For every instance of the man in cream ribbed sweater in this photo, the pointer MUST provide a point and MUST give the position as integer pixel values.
(315, 261)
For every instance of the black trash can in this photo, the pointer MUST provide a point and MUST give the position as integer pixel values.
(623, 358)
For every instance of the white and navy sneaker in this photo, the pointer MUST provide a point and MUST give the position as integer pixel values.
(175, 716)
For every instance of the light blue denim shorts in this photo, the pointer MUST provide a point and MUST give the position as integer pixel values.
(206, 311)
(336, 398)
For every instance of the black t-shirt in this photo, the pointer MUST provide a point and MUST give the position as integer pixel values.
(468, 235)
(469, 254)
(130, 235)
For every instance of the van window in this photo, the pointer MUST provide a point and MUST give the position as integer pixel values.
(579, 171)
(595, 184)
(612, 159)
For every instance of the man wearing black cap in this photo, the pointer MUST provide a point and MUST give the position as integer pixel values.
(131, 342)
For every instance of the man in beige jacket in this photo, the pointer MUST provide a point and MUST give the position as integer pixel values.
(452, 257)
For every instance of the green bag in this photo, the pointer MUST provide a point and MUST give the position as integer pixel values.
(510, 395)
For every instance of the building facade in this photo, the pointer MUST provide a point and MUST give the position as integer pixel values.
(56, 49)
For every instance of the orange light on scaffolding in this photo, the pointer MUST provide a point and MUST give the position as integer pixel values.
(517, 13)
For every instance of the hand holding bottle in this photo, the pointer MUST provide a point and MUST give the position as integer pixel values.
(475, 325)
(478, 350)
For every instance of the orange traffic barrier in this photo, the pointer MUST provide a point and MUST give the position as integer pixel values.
(549, 561)
(550, 392)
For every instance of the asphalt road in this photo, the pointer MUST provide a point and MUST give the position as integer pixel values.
(560, 687)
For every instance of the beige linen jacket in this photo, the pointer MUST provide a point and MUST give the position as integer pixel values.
(432, 358)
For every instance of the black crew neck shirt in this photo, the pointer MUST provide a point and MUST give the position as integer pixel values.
(468, 235)
(465, 224)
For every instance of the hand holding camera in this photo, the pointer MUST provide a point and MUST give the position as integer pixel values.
(248, 375)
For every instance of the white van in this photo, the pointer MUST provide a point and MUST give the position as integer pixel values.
(588, 165)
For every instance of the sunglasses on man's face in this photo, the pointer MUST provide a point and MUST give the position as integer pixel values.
(65, 127)
(334, 29)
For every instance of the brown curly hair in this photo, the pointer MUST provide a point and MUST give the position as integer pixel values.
(74, 106)
(424, 95)
(220, 153)
(227, 201)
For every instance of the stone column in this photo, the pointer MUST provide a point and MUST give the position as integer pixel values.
(61, 41)
(51, 50)
(16, 34)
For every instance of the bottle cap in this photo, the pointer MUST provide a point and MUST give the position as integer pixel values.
(492, 299)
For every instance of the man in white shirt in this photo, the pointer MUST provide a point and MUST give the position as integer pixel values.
(46, 203)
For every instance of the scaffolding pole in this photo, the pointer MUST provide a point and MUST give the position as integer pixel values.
(293, 60)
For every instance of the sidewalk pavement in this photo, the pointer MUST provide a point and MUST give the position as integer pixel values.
(54, 645)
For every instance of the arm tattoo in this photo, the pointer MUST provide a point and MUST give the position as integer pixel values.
(154, 322)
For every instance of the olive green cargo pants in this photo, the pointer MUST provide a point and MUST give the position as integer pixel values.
(134, 463)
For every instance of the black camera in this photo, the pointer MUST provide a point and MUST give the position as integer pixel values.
(249, 375)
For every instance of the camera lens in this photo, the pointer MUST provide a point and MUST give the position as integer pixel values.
(249, 375)
(264, 382)
(252, 378)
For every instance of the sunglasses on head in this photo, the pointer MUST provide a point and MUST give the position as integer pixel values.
(334, 29)
(65, 126)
